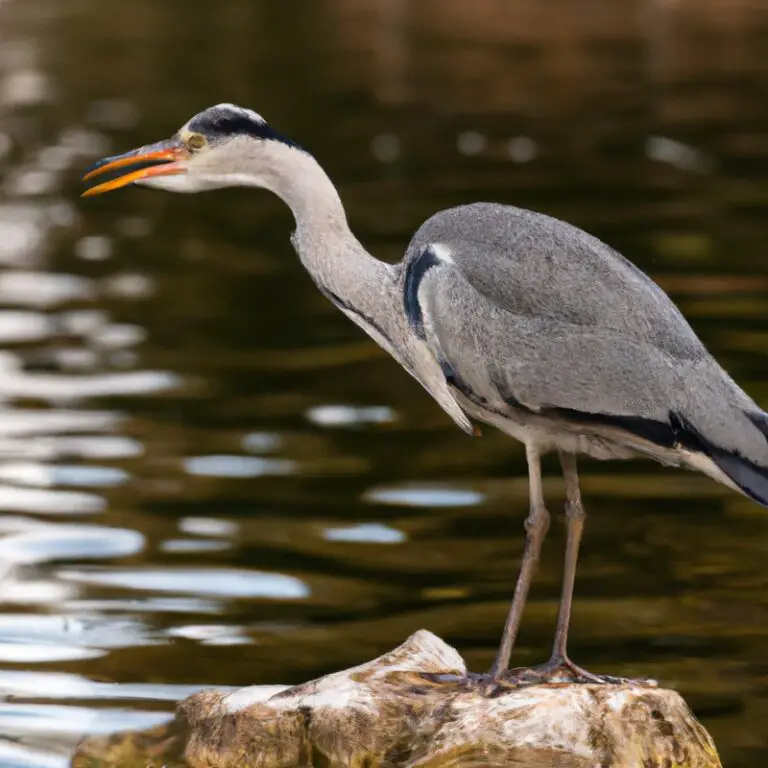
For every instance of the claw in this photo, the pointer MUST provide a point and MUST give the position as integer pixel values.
(563, 670)
(556, 670)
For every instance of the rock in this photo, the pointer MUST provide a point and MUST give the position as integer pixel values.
(407, 709)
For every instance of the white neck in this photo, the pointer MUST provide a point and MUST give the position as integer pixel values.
(361, 285)
(297, 178)
(367, 290)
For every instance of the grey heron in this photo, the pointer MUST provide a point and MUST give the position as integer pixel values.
(505, 316)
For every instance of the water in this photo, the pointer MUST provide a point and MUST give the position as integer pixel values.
(209, 477)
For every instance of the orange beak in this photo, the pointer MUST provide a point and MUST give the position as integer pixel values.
(161, 159)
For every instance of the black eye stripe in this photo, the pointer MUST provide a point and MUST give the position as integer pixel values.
(218, 123)
(229, 124)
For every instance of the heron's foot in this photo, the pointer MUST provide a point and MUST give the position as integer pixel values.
(560, 669)
(556, 670)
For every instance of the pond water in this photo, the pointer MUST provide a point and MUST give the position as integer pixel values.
(210, 477)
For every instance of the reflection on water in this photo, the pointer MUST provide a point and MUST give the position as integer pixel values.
(209, 477)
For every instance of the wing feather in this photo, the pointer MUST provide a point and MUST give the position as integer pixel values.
(572, 328)
(540, 267)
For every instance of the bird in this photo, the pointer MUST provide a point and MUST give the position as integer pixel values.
(506, 317)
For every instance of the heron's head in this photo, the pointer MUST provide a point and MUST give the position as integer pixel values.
(223, 146)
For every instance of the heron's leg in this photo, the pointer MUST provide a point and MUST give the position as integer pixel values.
(574, 517)
(560, 667)
(536, 526)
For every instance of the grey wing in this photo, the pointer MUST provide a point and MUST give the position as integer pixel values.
(537, 266)
(501, 358)
(491, 346)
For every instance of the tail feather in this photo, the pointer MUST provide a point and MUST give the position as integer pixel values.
(749, 477)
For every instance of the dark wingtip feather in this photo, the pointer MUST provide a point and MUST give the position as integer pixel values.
(760, 420)
(749, 477)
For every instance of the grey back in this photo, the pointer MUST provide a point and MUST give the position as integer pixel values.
(528, 309)
(535, 265)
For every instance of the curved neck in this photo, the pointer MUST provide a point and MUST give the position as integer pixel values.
(363, 287)
(299, 180)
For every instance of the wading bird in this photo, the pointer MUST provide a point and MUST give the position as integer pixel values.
(504, 316)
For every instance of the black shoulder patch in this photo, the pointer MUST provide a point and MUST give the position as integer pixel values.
(414, 274)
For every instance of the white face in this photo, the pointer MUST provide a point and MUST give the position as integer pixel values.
(223, 146)
(200, 181)
(181, 183)
(215, 165)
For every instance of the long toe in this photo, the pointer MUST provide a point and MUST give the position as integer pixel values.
(563, 670)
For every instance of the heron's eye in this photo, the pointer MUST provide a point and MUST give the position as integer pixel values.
(196, 141)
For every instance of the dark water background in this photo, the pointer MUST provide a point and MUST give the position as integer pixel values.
(208, 476)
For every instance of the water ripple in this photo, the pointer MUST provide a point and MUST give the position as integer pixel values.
(62, 685)
(21, 756)
(350, 416)
(207, 582)
(13, 499)
(424, 496)
(186, 546)
(55, 719)
(68, 388)
(375, 533)
(70, 542)
(50, 475)
(238, 466)
(42, 639)
(208, 526)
